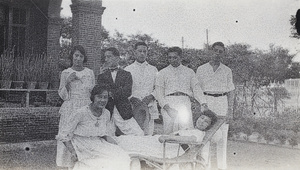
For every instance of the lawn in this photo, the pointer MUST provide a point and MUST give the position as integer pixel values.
(241, 156)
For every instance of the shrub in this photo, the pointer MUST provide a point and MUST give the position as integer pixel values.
(293, 141)
(279, 127)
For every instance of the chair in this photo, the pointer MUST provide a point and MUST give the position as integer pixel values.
(191, 156)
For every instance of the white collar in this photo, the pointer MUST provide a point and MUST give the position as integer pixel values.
(141, 64)
(175, 67)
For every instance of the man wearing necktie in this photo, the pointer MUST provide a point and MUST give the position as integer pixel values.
(119, 83)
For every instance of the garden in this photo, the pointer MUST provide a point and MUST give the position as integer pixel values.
(28, 80)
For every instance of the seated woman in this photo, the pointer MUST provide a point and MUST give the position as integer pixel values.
(87, 140)
(152, 146)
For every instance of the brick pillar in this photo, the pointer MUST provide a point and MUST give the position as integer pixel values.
(86, 24)
(53, 36)
(53, 45)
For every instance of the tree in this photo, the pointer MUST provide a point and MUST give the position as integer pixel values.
(294, 33)
(293, 141)
(125, 44)
(278, 93)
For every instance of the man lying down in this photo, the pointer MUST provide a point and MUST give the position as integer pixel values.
(151, 145)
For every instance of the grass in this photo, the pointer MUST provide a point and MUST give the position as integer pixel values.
(241, 156)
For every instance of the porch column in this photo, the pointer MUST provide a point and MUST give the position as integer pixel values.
(53, 46)
(53, 34)
(86, 25)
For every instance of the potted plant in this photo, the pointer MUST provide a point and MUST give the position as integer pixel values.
(7, 62)
(32, 71)
(54, 76)
(43, 65)
(20, 67)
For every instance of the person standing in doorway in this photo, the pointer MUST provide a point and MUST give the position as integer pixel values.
(216, 81)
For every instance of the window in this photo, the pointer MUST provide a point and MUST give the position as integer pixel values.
(13, 22)
(18, 29)
(3, 28)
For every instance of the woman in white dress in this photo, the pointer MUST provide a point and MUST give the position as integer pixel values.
(76, 84)
(85, 137)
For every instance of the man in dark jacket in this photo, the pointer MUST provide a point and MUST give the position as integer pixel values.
(119, 83)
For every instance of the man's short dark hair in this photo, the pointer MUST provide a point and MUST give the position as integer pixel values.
(175, 49)
(218, 44)
(114, 51)
(140, 43)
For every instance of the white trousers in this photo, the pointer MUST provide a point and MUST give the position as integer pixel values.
(183, 120)
(219, 105)
(128, 127)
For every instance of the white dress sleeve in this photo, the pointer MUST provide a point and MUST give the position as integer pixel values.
(66, 132)
(62, 91)
(90, 83)
(192, 132)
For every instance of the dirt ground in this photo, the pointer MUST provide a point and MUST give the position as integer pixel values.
(241, 156)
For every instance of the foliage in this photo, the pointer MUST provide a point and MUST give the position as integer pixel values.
(294, 33)
(293, 71)
(66, 28)
(293, 141)
(281, 127)
(6, 63)
(125, 45)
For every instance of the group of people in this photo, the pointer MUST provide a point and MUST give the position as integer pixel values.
(103, 120)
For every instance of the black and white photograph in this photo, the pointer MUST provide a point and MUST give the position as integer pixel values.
(149, 85)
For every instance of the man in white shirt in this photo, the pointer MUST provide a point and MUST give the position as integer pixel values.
(216, 81)
(174, 86)
(143, 77)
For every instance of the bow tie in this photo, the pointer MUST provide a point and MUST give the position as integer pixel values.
(113, 69)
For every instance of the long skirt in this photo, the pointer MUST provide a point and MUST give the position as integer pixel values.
(95, 153)
(63, 156)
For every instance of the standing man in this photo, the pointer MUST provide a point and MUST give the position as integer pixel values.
(143, 76)
(216, 81)
(119, 84)
(174, 86)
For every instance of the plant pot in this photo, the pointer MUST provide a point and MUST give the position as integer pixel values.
(43, 85)
(5, 84)
(18, 84)
(31, 84)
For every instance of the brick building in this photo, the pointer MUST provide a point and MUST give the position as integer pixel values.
(33, 26)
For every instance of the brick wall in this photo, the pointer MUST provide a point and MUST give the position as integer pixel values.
(86, 25)
(28, 124)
